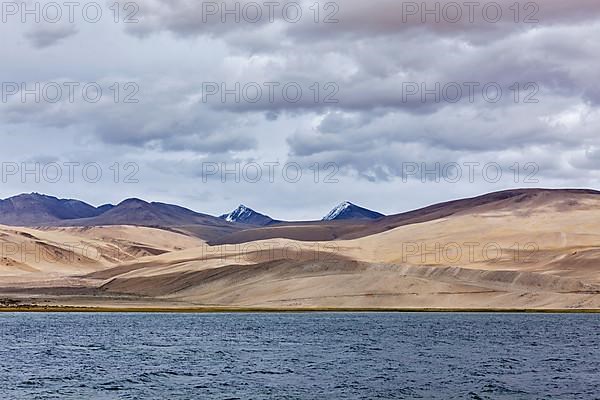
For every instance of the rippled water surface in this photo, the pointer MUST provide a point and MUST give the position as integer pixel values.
(299, 356)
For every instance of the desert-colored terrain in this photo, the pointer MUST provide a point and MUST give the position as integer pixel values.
(534, 250)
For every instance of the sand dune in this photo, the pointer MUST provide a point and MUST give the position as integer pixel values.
(51, 253)
(349, 284)
(538, 250)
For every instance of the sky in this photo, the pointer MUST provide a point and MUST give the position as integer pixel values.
(292, 107)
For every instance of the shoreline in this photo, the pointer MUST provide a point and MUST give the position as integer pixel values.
(243, 310)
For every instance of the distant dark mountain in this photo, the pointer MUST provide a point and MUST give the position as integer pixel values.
(167, 216)
(347, 210)
(106, 207)
(140, 212)
(246, 215)
(38, 209)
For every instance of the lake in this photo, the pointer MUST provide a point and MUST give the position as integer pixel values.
(299, 356)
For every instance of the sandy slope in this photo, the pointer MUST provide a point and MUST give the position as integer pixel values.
(30, 255)
(540, 252)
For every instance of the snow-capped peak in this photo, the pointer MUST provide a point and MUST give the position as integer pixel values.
(246, 215)
(347, 210)
(241, 213)
(337, 211)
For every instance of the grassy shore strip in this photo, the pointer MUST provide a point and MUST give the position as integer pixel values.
(100, 309)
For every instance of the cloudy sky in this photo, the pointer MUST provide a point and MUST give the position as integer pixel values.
(293, 107)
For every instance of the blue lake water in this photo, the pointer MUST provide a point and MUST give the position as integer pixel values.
(299, 356)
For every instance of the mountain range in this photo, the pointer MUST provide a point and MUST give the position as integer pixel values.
(36, 209)
(345, 221)
(517, 249)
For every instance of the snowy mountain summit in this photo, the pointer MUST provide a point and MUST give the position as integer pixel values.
(347, 210)
(246, 215)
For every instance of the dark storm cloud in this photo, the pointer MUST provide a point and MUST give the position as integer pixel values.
(377, 75)
(217, 143)
(48, 35)
(359, 18)
(160, 118)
